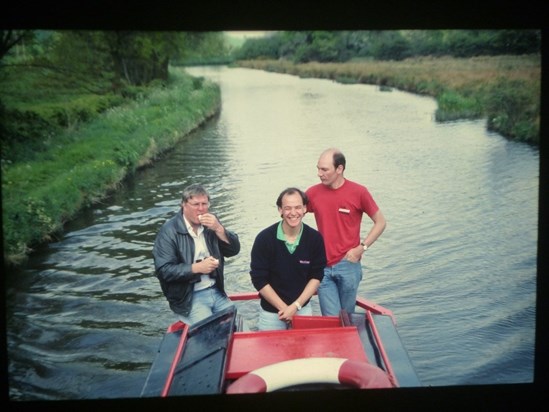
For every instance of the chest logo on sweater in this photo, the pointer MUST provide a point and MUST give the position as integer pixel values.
(305, 262)
(343, 210)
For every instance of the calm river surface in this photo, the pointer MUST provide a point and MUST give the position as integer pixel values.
(456, 265)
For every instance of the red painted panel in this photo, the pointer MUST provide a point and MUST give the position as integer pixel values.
(308, 322)
(252, 350)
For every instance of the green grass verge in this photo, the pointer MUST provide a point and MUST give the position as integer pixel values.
(80, 167)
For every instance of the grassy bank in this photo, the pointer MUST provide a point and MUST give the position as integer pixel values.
(41, 194)
(505, 90)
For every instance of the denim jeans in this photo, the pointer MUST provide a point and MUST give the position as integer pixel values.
(339, 287)
(270, 321)
(206, 302)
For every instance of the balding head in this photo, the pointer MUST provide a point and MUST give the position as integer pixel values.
(336, 156)
(330, 167)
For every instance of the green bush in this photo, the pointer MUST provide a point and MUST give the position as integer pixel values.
(78, 110)
(198, 83)
(453, 106)
(511, 110)
(24, 133)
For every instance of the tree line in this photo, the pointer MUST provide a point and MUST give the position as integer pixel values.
(118, 58)
(55, 79)
(113, 58)
(342, 46)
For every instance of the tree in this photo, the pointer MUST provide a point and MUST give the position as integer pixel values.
(11, 38)
(390, 45)
(271, 47)
(425, 42)
(320, 46)
(119, 57)
(202, 48)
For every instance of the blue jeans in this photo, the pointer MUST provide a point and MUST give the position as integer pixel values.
(270, 321)
(339, 287)
(206, 302)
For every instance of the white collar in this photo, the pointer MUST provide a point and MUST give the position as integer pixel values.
(190, 228)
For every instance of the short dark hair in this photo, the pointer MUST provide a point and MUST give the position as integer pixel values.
(339, 159)
(192, 191)
(291, 191)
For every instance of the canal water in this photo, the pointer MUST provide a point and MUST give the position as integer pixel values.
(456, 264)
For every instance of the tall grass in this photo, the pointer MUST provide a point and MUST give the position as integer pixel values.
(40, 195)
(506, 90)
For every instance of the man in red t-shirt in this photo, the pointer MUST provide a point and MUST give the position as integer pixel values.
(338, 205)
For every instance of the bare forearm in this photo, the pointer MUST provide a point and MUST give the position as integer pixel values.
(377, 229)
(309, 291)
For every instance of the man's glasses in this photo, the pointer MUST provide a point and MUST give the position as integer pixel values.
(196, 205)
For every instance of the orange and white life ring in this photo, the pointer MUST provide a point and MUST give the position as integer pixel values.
(280, 375)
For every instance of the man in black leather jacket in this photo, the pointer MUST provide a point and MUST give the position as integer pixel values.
(189, 253)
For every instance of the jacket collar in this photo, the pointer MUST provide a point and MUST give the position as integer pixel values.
(180, 225)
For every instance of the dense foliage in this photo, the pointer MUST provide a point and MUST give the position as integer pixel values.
(341, 46)
(53, 81)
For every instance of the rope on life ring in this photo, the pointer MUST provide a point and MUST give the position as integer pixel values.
(280, 375)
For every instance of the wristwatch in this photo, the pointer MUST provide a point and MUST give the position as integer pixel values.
(296, 303)
(364, 246)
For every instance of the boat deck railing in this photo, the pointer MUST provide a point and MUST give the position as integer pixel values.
(370, 308)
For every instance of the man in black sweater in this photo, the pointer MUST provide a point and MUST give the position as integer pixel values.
(287, 263)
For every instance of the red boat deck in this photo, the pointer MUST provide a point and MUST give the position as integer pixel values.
(210, 355)
(253, 350)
